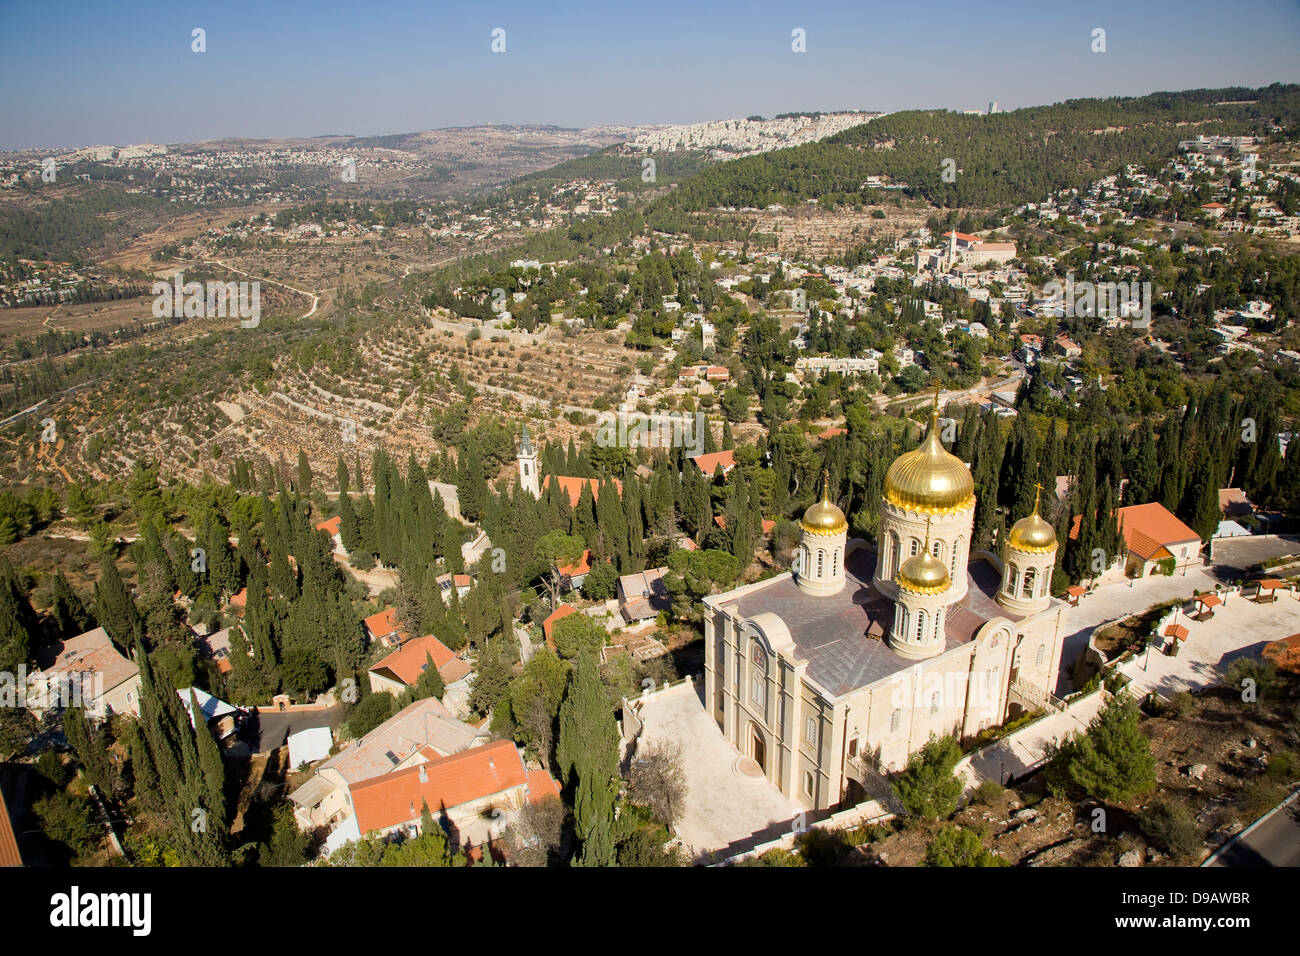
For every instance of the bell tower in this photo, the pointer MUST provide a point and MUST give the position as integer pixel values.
(527, 458)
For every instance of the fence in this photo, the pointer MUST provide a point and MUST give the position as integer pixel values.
(632, 722)
(1027, 754)
(864, 814)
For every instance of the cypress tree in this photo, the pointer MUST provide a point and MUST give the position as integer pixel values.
(587, 753)
(114, 609)
(19, 625)
(70, 614)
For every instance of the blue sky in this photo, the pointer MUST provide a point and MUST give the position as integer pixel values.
(117, 71)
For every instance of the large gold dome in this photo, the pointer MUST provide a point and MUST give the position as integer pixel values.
(824, 517)
(923, 574)
(1032, 533)
(929, 478)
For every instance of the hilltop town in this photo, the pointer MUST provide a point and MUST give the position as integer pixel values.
(573, 509)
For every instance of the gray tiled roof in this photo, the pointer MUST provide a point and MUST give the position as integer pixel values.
(842, 635)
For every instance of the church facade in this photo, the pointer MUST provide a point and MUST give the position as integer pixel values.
(836, 672)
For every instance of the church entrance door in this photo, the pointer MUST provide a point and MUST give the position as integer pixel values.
(757, 751)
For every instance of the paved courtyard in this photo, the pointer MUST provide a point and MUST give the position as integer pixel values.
(1240, 628)
(1112, 602)
(1232, 556)
(727, 811)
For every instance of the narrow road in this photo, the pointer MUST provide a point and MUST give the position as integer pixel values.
(1272, 840)
(315, 299)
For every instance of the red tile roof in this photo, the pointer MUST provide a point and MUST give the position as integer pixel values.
(709, 463)
(721, 522)
(563, 611)
(832, 433)
(382, 624)
(474, 774)
(9, 855)
(1148, 529)
(332, 525)
(92, 652)
(1284, 654)
(573, 487)
(1233, 501)
(582, 567)
(408, 662)
(541, 786)
(454, 670)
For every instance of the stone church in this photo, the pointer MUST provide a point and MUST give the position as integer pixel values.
(834, 673)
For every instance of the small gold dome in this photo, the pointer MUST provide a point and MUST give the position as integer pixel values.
(824, 517)
(929, 478)
(1032, 533)
(923, 574)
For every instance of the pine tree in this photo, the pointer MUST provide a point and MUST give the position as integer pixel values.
(1113, 760)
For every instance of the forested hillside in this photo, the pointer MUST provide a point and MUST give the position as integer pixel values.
(1001, 159)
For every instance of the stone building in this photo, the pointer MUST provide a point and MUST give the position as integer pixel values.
(833, 674)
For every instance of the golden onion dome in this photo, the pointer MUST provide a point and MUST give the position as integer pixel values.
(1033, 533)
(929, 478)
(824, 517)
(923, 574)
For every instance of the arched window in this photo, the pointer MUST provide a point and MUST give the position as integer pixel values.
(758, 676)
(938, 624)
(895, 549)
(1041, 655)
(895, 719)
(956, 551)
(916, 547)
(1042, 587)
(835, 562)
(920, 625)
(821, 562)
(934, 703)
(1028, 590)
(937, 549)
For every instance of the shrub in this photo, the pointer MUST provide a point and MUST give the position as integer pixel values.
(989, 791)
(776, 857)
(1169, 826)
(928, 787)
(1260, 674)
(957, 846)
(822, 847)
(1260, 796)
(1180, 704)
(1282, 765)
